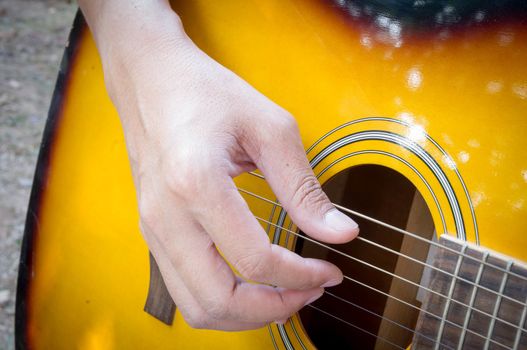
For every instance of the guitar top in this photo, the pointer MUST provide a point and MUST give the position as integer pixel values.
(413, 115)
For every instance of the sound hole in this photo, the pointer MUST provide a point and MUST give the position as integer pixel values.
(388, 196)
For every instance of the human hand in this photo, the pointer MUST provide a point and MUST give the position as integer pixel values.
(191, 126)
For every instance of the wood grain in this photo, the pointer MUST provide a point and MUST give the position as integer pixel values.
(482, 300)
(159, 303)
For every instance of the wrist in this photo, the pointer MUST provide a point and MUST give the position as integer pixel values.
(125, 31)
(135, 43)
(137, 30)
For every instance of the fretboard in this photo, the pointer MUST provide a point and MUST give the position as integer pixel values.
(479, 300)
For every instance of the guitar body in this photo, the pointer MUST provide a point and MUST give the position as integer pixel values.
(447, 112)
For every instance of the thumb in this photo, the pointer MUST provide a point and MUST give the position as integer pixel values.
(284, 164)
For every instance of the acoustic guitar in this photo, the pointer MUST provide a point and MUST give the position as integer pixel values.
(414, 118)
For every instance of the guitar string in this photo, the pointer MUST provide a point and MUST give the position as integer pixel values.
(422, 310)
(459, 278)
(395, 298)
(387, 319)
(397, 276)
(453, 276)
(406, 233)
(415, 332)
(357, 327)
(384, 339)
(389, 273)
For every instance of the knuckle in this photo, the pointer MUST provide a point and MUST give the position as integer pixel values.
(180, 176)
(151, 225)
(289, 121)
(308, 191)
(217, 304)
(254, 266)
(278, 128)
(197, 320)
(285, 121)
(149, 215)
(219, 310)
(185, 171)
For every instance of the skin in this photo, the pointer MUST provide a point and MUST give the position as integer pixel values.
(191, 126)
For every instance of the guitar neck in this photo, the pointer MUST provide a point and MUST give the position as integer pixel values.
(475, 300)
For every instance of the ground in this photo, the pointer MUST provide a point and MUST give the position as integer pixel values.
(32, 38)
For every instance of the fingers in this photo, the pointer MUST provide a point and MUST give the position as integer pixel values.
(194, 315)
(282, 159)
(184, 227)
(246, 246)
(210, 296)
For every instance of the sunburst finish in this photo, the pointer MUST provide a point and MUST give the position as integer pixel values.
(447, 111)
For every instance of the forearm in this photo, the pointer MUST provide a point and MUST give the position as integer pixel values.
(129, 25)
(128, 33)
(134, 39)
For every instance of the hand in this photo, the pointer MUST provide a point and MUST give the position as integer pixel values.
(191, 126)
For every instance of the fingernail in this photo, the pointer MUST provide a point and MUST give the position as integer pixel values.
(339, 221)
(281, 321)
(315, 297)
(332, 283)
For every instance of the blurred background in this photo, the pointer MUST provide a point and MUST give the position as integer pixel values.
(32, 38)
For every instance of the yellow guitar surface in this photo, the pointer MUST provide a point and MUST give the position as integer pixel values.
(446, 111)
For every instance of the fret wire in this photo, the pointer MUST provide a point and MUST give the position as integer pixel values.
(357, 327)
(449, 298)
(430, 242)
(472, 300)
(356, 259)
(384, 318)
(419, 309)
(418, 261)
(391, 227)
(497, 306)
(383, 271)
(518, 331)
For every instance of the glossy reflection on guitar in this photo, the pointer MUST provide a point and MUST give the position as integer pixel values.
(413, 116)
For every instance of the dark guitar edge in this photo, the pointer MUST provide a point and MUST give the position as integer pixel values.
(55, 112)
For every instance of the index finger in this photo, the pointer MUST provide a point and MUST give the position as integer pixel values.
(228, 220)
